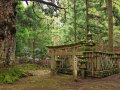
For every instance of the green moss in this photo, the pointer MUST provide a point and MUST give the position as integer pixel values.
(9, 75)
(1, 79)
(8, 79)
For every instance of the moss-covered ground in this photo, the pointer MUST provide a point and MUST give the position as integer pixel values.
(42, 80)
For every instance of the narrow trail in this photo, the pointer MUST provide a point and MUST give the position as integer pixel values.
(41, 80)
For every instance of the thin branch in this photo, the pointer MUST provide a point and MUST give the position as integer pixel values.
(26, 2)
(46, 3)
(35, 12)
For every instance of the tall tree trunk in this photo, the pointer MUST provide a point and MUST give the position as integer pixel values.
(34, 41)
(7, 32)
(74, 25)
(110, 24)
(87, 19)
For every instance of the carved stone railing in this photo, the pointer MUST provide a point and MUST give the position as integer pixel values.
(65, 57)
(82, 59)
(100, 64)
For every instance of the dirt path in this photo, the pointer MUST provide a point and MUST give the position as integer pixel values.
(108, 83)
(43, 81)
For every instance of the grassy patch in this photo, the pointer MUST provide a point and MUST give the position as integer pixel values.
(9, 75)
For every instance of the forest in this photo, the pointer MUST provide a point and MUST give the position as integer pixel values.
(59, 44)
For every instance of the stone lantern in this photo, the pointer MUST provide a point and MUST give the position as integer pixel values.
(89, 36)
(83, 66)
(90, 43)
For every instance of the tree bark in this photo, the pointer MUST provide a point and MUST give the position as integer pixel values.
(33, 45)
(74, 25)
(110, 25)
(7, 32)
(87, 19)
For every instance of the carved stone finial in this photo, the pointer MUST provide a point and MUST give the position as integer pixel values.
(89, 36)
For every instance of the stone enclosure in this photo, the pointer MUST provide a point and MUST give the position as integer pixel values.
(82, 60)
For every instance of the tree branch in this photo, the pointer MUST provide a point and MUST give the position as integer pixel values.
(46, 3)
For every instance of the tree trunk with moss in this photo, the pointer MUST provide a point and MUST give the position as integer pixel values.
(87, 19)
(7, 32)
(74, 24)
(110, 24)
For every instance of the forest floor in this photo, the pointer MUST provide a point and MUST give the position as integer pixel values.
(41, 80)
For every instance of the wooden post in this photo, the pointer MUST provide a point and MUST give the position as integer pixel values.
(53, 62)
(74, 65)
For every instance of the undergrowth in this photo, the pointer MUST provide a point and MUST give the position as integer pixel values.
(9, 75)
(30, 67)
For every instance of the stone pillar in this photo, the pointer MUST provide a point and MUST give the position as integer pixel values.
(83, 66)
(74, 65)
(53, 62)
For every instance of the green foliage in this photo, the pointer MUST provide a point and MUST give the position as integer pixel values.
(10, 75)
(97, 23)
(33, 33)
